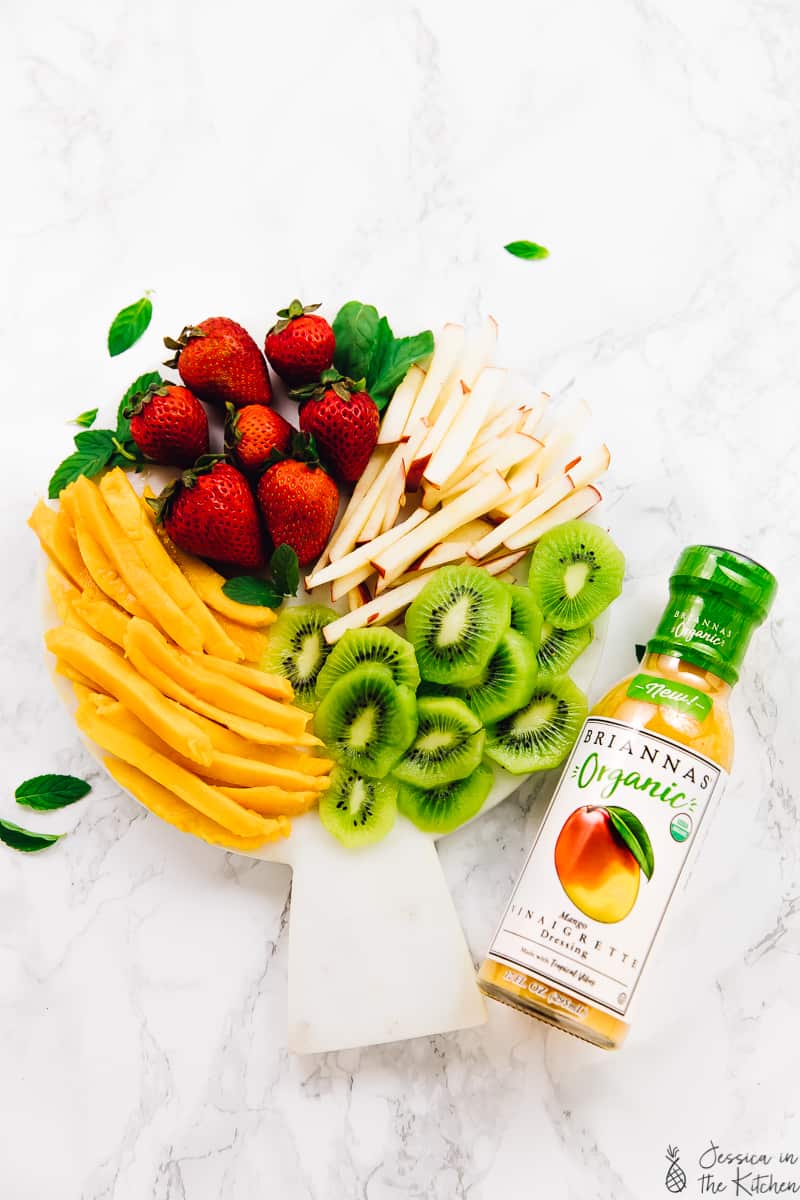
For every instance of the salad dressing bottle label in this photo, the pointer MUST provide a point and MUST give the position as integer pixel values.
(605, 864)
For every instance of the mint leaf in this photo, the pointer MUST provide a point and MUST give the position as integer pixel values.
(367, 349)
(393, 367)
(285, 570)
(128, 326)
(381, 352)
(95, 441)
(149, 379)
(86, 419)
(88, 462)
(354, 328)
(247, 590)
(47, 792)
(529, 250)
(633, 834)
(22, 839)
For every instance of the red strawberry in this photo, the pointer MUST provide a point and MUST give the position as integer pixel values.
(299, 502)
(220, 363)
(344, 423)
(169, 425)
(300, 346)
(252, 433)
(210, 512)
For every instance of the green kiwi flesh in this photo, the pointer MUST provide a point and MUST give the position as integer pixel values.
(366, 720)
(542, 734)
(448, 744)
(443, 809)
(526, 616)
(559, 648)
(359, 646)
(357, 810)
(297, 650)
(576, 572)
(456, 622)
(506, 682)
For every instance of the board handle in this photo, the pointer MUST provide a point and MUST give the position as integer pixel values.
(376, 951)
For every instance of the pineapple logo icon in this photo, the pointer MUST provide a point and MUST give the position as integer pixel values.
(676, 1176)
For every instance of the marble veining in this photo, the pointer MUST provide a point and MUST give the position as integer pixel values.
(230, 159)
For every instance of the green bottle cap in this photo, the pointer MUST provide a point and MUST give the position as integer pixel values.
(716, 599)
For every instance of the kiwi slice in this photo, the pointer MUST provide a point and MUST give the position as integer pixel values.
(542, 733)
(506, 682)
(298, 650)
(576, 572)
(526, 616)
(367, 721)
(357, 810)
(559, 648)
(448, 744)
(443, 809)
(456, 622)
(359, 646)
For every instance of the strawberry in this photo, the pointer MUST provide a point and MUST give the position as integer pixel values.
(299, 501)
(252, 433)
(220, 363)
(300, 346)
(169, 425)
(343, 420)
(210, 512)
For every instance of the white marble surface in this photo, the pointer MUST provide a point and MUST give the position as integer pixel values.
(230, 157)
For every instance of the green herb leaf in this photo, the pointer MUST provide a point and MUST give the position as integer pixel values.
(95, 441)
(381, 351)
(398, 357)
(83, 462)
(355, 328)
(128, 326)
(22, 839)
(529, 250)
(149, 379)
(632, 832)
(86, 419)
(46, 792)
(367, 349)
(285, 570)
(247, 590)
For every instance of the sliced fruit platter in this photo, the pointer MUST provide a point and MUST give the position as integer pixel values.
(436, 503)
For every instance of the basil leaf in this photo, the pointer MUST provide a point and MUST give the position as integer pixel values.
(46, 792)
(247, 590)
(529, 250)
(149, 379)
(354, 328)
(633, 833)
(22, 839)
(398, 357)
(128, 326)
(285, 570)
(89, 463)
(86, 419)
